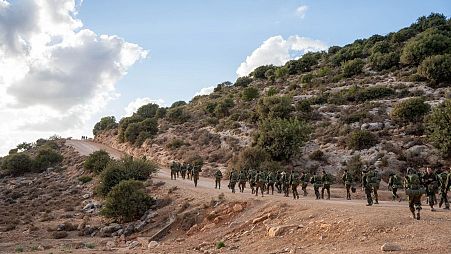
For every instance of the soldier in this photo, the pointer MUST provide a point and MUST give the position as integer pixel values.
(430, 181)
(294, 181)
(394, 183)
(183, 169)
(260, 181)
(444, 186)
(414, 190)
(317, 182)
(242, 180)
(285, 184)
(348, 181)
(218, 177)
(271, 180)
(173, 174)
(233, 179)
(195, 174)
(374, 178)
(366, 185)
(189, 170)
(279, 181)
(178, 167)
(327, 181)
(251, 179)
(305, 178)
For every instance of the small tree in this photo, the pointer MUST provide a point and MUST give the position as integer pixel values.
(410, 110)
(17, 164)
(436, 69)
(148, 110)
(97, 161)
(47, 157)
(127, 201)
(428, 43)
(105, 123)
(274, 107)
(352, 67)
(282, 138)
(243, 81)
(249, 93)
(251, 158)
(178, 104)
(438, 127)
(361, 139)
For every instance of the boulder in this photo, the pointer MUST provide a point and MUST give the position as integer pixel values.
(237, 208)
(110, 229)
(152, 244)
(261, 218)
(390, 247)
(280, 230)
(59, 234)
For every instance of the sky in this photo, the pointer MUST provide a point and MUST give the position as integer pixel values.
(66, 63)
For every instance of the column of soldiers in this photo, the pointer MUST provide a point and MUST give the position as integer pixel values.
(188, 171)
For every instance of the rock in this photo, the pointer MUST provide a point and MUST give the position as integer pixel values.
(148, 216)
(108, 230)
(237, 208)
(59, 234)
(144, 241)
(280, 230)
(390, 247)
(110, 245)
(130, 229)
(195, 227)
(261, 218)
(208, 226)
(133, 244)
(152, 244)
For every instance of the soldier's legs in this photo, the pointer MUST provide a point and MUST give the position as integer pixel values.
(328, 191)
(417, 204)
(262, 188)
(304, 189)
(369, 199)
(322, 192)
(232, 186)
(294, 187)
(431, 200)
(195, 181)
(444, 199)
(348, 191)
(317, 194)
(376, 197)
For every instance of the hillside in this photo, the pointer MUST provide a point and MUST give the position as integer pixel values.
(359, 103)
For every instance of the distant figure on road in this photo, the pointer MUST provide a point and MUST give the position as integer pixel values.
(233, 179)
(317, 183)
(242, 178)
(348, 180)
(218, 177)
(366, 185)
(173, 173)
(294, 181)
(195, 174)
(445, 183)
(326, 179)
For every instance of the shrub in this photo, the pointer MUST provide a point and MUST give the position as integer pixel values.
(222, 108)
(352, 67)
(271, 91)
(428, 43)
(271, 166)
(85, 179)
(97, 161)
(132, 132)
(304, 106)
(317, 155)
(410, 110)
(379, 61)
(249, 93)
(270, 75)
(361, 139)
(148, 110)
(303, 64)
(126, 169)
(354, 117)
(274, 107)
(17, 164)
(281, 72)
(282, 138)
(177, 115)
(105, 123)
(243, 81)
(47, 157)
(175, 144)
(436, 69)
(373, 93)
(178, 104)
(220, 245)
(161, 113)
(260, 71)
(251, 158)
(123, 125)
(307, 78)
(127, 201)
(438, 127)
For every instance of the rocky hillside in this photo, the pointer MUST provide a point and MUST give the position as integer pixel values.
(370, 100)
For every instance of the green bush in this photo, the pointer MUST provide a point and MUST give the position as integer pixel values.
(249, 93)
(281, 72)
(304, 106)
(373, 93)
(223, 107)
(260, 72)
(97, 161)
(250, 158)
(274, 107)
(243, 81)
(178, 115)
(307, 78)
(428, 43)
(127, 201)
(175, 144)
(125, 169)
(317, 155)
(438, 127)
(282, 138)
(303, 64)
(436, 69)
(17, 164)
(132, 132)
(85, 179)
(178, 104)
(123, 125)
(47, 157)
(148, 110)
(105, 123)
(379, 61)
(410, 110)
(361, 139)
(354, 117)
(220, 245)
(352, 67)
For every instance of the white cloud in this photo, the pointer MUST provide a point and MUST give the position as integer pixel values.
(277, 51)
(138, 102)
(56, 74)
(301, 10)
(205, 91)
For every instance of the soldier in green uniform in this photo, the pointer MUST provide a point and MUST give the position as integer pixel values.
(195, 174)
(366, 185)
(178, 167)
(242, 178)
(317, 182)
(251, 179)
(271, 180)
(233, 179)
(327, 181)
(189, 170)
(183, 170)
(374, 179)
(295, 179)
(260, 181)
(444, 186)
(348, 181)
(279, 182)
(414, 190)
(430, 182)
(285, 184)
(394, 183)
(218, 177)
(305, 179)
(173, 172)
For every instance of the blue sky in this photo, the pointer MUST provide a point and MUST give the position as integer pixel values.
(65, 65)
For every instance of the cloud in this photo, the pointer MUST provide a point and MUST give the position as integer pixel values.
(56, 74)
(205, 91)
(301, 10)
(133, 106)
(277, 51)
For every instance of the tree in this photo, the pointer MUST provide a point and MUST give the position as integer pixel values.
(361, 139)
(282, 138)
(17, 164)
(274, 107)
(47, 157)
(410, 110)
(97, 161)
(251, 158)
(222, 109)
(438, 127)
(260, 71)
(436, 69)
(24, 146)
(243, 81)
(428, 43)
(249, 93)
(352, 67)
(105, 123)
(382, 61)
(148, 110)
(178, 104)
(177, 115)
(127, 201)
(132, 132)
